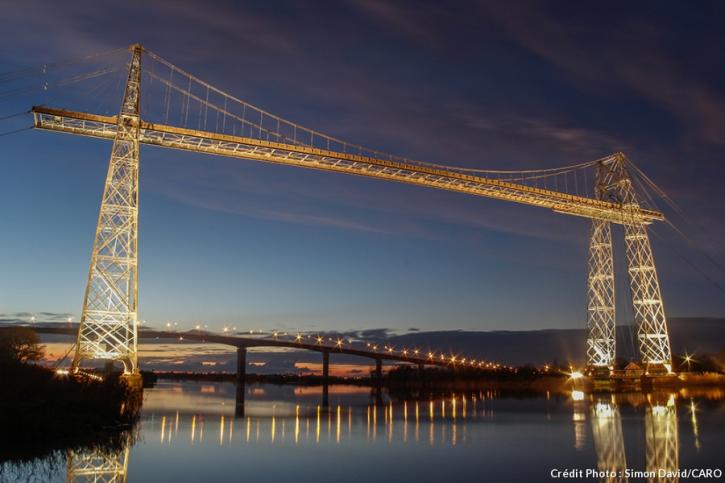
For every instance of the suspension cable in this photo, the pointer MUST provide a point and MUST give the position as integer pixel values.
(60, 83)
(692, 265)
(8, 133)
(17, 114)
(43, 68)
(322, 139)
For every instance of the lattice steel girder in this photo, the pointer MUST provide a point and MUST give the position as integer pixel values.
(294, 155)
(601, 311)
(108, 326)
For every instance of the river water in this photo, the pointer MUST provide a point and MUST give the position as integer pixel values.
(205, 432)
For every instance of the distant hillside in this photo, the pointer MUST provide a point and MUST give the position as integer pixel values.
(698, 335)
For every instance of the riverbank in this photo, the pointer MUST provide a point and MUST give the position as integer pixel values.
(411, 379)
(428, 379)
(42, 411)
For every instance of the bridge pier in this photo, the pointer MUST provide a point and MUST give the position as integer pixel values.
(325, 366)
(241, 363)
(325, 395)
(239, 400)
(421, 369)
(378, 395)
(379, 369)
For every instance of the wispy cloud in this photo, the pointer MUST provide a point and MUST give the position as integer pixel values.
(299, 216)
(633, 55)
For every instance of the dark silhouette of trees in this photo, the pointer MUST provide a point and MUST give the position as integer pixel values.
(19, 345)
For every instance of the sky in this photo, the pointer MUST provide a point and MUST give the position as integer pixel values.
(500, 85)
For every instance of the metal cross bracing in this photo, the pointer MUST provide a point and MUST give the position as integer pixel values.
(600, 297)
(108, 321)
(108, 325)
(601, 309)
(614, 183)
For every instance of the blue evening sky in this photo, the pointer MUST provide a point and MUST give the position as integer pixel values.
(488, 85)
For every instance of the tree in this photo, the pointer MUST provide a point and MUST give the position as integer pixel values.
(20, 345)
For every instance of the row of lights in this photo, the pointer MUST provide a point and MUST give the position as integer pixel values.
(340, 342)
(34, 319)
(65, 373)
(404, 352)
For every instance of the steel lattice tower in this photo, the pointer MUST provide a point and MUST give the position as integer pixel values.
(108, 325)
(601, 309)
(615, 184)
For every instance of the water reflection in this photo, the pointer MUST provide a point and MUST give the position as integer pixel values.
(662, 440)
(99, 464)
(580, 418)
(608, 440)
(207, 432)
(695, 426)
(435, 420)
(660, 428)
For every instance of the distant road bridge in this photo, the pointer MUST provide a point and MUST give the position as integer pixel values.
(320, 344)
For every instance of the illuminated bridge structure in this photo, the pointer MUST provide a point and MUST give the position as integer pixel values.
(323, 345)
(191, 115)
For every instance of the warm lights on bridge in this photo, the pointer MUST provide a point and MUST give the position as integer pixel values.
(410, 354)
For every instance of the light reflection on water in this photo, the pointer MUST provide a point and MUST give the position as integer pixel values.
(209, 432)
(319, 424)
(360, 413)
